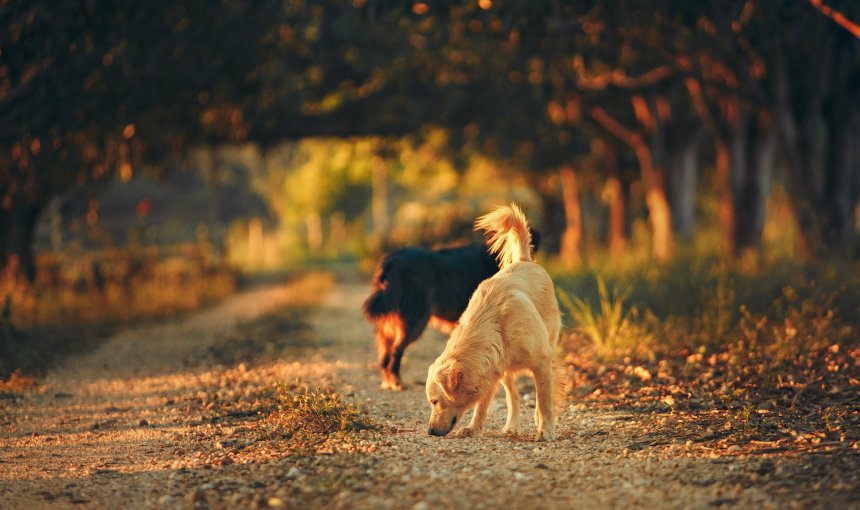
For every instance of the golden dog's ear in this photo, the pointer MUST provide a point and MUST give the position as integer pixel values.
(449, 378)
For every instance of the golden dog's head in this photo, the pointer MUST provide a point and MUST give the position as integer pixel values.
(450, 394)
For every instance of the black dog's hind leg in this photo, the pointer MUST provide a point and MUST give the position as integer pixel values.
(390, 332)
(383, 350)
(414, 322)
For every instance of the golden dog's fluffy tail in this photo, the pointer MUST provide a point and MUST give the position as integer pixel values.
(508, 234)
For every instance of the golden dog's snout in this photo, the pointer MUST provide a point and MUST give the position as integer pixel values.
(440, 432)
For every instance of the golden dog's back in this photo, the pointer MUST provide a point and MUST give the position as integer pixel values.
(499, 301)
(509, 237)
(530, 280)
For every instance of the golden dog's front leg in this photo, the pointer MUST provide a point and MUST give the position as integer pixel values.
(545, 414)
(512, 398)
(476, 426)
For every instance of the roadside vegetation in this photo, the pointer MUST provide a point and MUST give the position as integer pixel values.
(79, 298)
(758, 362)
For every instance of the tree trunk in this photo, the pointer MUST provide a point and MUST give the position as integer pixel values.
(659, 214)
(765, 161)
(572, 237)
(841, 193)
(313, 227)
(817, 136)
(554, 222)
(16, 245)
(379, 199)
(682, 170)
(725, 198)
(207, 160)
(614, 196)
(753, 153)
(653, 179)
(714, 115)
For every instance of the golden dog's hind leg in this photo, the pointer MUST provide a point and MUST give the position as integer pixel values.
(545, 412)
(476, 426)
(512, 398)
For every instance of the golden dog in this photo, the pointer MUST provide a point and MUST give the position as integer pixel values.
(511, 324)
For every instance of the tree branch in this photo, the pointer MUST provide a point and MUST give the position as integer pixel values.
(618, 77)
(837, 17)
(615, 128)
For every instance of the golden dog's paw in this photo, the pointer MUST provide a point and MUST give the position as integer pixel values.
(545, 435)
(467, 432)
(511, 431)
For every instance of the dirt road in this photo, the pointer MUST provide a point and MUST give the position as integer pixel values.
(152, 420)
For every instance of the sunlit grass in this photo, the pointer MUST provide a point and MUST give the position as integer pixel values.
(112, 286)
(764, 343)
(612, 328)
(315, 413)
(800, 326)
(705, 299)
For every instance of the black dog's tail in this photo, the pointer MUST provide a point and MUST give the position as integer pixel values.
(377, 305)
(381, 302)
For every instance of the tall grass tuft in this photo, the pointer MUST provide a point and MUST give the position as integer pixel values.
(718, 308)
(612, 328)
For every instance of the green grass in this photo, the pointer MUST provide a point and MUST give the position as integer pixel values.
(114, 285)
(315, 413)
(610, 326)
(708, 303)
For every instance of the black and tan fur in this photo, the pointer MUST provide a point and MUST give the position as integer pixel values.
(414, 287)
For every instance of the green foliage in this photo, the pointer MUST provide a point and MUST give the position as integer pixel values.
(318, 176)
(319, 192)
(115, 285)
(765, 319)
(612, 329)
(796, 327)
(88, 92)
(717, 313)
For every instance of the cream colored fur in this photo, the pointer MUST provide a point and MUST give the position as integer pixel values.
(510, 326)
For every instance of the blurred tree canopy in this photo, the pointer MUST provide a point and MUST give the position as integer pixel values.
(91, 90)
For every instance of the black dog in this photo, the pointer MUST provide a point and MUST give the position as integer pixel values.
(413, 286)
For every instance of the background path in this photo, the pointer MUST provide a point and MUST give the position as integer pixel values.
(150, 420)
